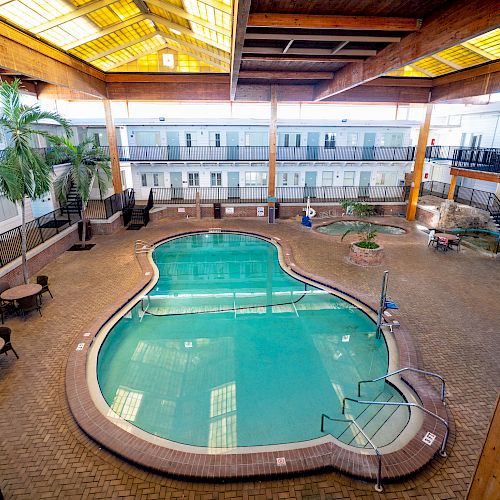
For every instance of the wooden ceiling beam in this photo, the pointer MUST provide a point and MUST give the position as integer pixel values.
(324, 38)
(306, 21)
(450, 25)
(311, 51)
(240, 21)
(286, 75)
(298, 58)
(21, 53)
(189, 17)
(479, 51)
(485, 69)
(451, 64)
(122, 46)
(88, 8)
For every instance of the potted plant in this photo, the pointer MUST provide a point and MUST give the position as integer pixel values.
(366, 251)
(24, 172)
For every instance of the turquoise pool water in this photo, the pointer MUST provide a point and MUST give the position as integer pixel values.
(340, 227)
(261, 370)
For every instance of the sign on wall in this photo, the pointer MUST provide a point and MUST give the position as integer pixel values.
(260, 211)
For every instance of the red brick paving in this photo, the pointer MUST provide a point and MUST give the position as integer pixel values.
(449, 302)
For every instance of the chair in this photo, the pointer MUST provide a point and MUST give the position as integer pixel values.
(455, 243)
(44, 281)
(432, 237)
(28, 304)
(5, 336)
(4, 306)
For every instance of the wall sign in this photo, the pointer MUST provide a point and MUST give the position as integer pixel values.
(260, 211)
(229, 210)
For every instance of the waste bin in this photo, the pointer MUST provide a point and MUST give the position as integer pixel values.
(276, 210)
(88, 231)
(217, 211)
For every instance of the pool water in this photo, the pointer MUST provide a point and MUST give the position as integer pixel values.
(229, 350)
(340, 227)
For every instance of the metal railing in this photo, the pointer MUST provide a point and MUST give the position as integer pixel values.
(331, 194)
(104, 209)
(431, 374)
(38, 231)
(378, 486)
(484, 200)
(442, 449)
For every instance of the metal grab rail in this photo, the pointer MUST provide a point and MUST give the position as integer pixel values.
(378, 486)
(432, 374)
(141, 246)
(442, 449)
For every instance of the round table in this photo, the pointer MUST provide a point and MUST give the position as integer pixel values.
(451, 237)
(2, 343)
(21, 291)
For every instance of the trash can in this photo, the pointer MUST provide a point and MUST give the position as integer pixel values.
(276, 210)
(217, 211)
(88, 231)
(270, 215)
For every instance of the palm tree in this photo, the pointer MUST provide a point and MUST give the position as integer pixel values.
(87, 163)
(24, 173)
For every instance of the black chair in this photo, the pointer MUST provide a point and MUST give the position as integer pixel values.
(28, 304)
(4, 306)
(44, 281)
(5, 336)
(455, 243)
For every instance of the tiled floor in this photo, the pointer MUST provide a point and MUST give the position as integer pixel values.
(449, 301)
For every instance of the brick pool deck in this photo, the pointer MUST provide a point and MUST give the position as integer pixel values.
(449, 302)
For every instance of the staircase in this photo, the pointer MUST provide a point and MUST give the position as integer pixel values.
(137, 216)
(73, 203)
(382, 424)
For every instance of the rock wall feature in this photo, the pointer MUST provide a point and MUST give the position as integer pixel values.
(453, 215)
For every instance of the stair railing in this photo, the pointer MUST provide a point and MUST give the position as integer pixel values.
(351, 421)
(442, 449)
(407, 368)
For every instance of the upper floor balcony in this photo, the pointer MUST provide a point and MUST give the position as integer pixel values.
(483, 159)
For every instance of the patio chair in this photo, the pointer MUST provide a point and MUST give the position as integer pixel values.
(28, 304)
(455, 243)
(44, 281)
(432, 238)
(442, 243)
(4, 306)
(5, 336)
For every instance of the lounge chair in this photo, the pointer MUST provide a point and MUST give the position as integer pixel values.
(5, 336)
(28, 304)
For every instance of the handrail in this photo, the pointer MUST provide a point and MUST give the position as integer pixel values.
(378, 486)
(442, 449)
(432, 374)
(141, 246)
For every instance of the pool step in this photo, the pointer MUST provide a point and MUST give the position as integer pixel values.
(382, 424)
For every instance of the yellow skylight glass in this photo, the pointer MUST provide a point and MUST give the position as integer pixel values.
(121, 35)
(489, 42)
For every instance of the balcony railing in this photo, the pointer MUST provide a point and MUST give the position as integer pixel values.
(104, 209)
(484, 159)
(237, 195)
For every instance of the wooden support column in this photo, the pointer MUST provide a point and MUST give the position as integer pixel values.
(419, 164)
(271, 177)
(486, 481)
(453, 185)
(113, 148)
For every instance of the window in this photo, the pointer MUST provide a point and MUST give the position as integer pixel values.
(255, 178)
(193, 179)
(190, 140)
(289, 178)
(290, 140)
(327, 178)
(352, 139)
(152, 179)
(386, 179)
(349, 177)
(330, 140)
(8, 209)
(391, 140)
(215, 179)
(256, 139)
(215, 139)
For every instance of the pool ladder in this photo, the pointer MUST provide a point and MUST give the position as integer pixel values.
(351, 421)
(141, 246)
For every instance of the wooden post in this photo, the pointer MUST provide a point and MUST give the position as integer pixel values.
(271, 177)
(113, 148)
(419, 164)
(453, 185)
(486, 481)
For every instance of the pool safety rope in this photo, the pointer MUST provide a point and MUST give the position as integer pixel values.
(146, 311)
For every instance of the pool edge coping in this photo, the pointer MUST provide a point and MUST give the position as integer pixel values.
(317, 455)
